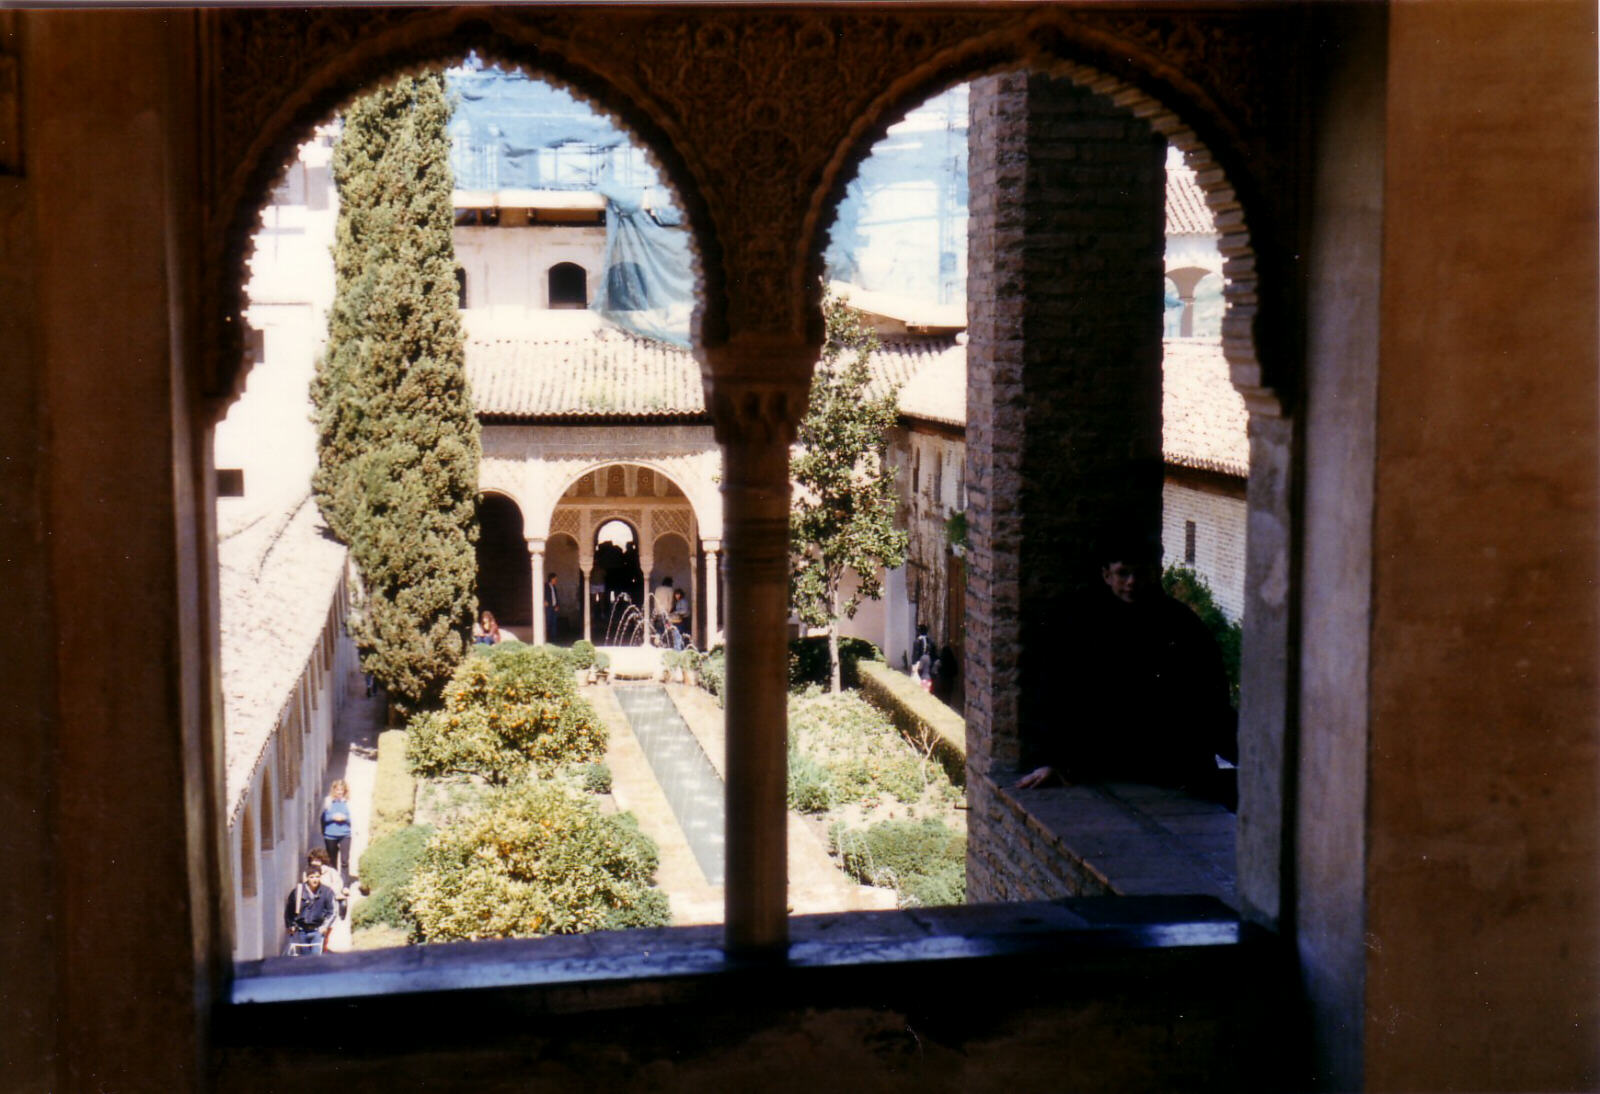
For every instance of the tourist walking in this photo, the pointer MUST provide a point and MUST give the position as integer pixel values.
(308, 915)
(336, 827)
(317, 859)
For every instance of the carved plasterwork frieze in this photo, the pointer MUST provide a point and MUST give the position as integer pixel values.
(758, 115)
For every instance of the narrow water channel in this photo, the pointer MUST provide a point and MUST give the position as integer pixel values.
(691, 784)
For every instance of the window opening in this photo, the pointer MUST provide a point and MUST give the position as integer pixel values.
(568, 285)
(912, 190)
(587, 198)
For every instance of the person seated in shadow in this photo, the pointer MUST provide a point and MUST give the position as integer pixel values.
(486, 632)
(1141, 694)
(678, 621)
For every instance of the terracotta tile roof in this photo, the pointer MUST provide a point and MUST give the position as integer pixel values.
(607, 374)
(279, 574)
(937, 392)
(1203, 416)
(1187, 212)
(602, 372)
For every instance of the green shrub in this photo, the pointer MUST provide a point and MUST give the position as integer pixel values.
(808, 660)
(540, 860)
(513, 709)
(394, 791)
(810, 787)
(1182, 583)
(386, 869)
(712, 668)
(597, 778)
(512, 672)
(924, 861)
(862, 753)
(582, 654)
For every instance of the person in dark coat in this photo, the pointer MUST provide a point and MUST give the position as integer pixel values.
(309, 911)
(1143, 692)
(552, 609)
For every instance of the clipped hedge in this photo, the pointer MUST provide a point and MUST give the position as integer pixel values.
(394, 791)
(512, 672)
(923, 861)
(596, 778)
(582, 654)
(808, 660)
(539, 860)
(387, 867)
(923, 720)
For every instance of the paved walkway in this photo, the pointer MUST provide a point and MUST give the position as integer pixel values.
(355, 760)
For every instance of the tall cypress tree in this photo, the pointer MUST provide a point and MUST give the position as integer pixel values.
(397, 474)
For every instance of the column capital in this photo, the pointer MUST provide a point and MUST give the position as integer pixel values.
(711, 545)
(535, 544)
(759, 387)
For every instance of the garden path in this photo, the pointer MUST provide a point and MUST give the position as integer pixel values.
(355, 760)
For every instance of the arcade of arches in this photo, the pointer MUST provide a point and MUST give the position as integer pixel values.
(1418, 826)
(517, 554)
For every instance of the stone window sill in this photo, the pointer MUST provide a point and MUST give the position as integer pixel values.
(1131, 840)
(619, 969)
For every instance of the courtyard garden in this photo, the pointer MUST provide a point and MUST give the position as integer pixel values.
(491, 817)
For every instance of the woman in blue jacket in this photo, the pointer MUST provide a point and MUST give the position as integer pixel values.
(336, 828)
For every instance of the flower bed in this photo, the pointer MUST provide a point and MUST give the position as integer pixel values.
(891, 815)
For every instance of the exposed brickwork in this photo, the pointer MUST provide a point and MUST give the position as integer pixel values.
(1018, 859)
(1065, 244)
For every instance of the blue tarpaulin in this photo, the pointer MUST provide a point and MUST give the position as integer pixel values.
(511, 132)
(900, 229)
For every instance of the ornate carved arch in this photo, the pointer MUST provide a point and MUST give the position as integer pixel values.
(699, 505)
(1157, 69)
(755, 115)
(279, 73)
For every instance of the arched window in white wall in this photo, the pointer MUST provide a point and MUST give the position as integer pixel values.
(569, 286)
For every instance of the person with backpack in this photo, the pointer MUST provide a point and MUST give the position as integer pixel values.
(308, 914)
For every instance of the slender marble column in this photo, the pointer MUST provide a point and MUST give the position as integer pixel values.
(588, 595)
(536, 550)
(648, 606)
(758, 397)
(709, 633)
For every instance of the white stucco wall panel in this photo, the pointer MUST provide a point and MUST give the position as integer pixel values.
(1220, 524)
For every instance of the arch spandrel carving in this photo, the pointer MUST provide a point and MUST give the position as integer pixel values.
(749, 112)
